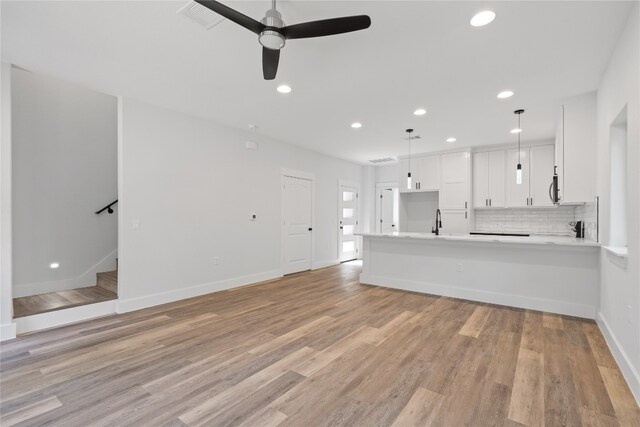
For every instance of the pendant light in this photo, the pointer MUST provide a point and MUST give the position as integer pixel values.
(519, 167)
(409, 132)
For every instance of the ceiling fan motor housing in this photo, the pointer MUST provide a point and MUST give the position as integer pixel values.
(270, 38)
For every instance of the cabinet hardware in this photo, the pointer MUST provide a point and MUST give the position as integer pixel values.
(310, 229)
(465, 215)
(532, 201)
(465, 205)
(489, 202)
(486, 202)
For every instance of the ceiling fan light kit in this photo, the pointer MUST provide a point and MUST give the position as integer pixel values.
(273, 34)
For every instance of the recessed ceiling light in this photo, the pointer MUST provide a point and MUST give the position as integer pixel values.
(284, 89)
(482, 18)
(54, 265)
(505, 94)
(356, 125)
(420, 112)
(516, 130)
(452, 139)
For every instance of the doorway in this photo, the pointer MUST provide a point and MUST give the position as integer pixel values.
(297, 208)
(348, 220)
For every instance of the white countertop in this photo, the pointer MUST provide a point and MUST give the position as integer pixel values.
(532, 240)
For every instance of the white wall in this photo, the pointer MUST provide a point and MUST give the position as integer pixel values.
(192, 185)
(387, 173)
(64, 169)
(619, 316)
(7, 327)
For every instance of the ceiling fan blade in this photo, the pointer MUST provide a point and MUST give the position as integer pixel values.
(326, 27)
(233, 15)
(270, 59)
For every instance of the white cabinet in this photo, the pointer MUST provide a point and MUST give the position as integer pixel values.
(425, 173)
(455, 188)
(576, 149)
(541, 164)
(537, 172)
(489, 179)
(455, 191)
(454, 221)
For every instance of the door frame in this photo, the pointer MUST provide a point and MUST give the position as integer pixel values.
(357, 239)
(293, 173)
(381, 186)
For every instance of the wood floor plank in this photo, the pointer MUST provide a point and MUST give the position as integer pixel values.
(315, 348)
(421, 409)
(473, 326)
(527, 399)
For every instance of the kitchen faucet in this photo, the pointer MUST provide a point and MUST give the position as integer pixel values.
(438, 222)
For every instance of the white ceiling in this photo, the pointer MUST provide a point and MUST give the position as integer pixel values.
(416, 54)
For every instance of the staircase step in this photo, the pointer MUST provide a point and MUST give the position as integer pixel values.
(108, 280)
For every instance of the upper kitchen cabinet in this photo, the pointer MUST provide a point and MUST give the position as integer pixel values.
(575, 153)
(455, 186)
(541, 164)
(537, 174)
(425, 173)
(489, 179)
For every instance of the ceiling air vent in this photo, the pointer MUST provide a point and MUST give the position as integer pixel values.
(384, 160)
(199, 14)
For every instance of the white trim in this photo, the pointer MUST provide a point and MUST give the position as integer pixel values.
(6, 269)
(628, 371)
(138, 303)
(323, 264)
(386, 184)
(293, 173)
(51, 319)
(88, 278)
(308, 176)
(531, 303)
(619, 251)
(7, 332)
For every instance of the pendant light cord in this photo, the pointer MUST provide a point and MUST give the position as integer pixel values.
(519, 152)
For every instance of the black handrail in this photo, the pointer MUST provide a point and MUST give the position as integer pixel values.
(107, 208)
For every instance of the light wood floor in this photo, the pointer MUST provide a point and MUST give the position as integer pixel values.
(315, 349)
(52, 301)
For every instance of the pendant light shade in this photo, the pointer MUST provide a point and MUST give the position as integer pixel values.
(519, 167)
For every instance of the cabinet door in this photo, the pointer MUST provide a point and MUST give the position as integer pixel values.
(454, 192)
(541, 168)
(517, 194)
(559, 152)
(579, 149)
(455, 222)
(403, 169)
(429, 173)
(481, 180)
(497, 184)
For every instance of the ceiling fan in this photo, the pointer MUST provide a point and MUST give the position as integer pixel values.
(272, 33)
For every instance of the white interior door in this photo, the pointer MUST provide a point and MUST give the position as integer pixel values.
(296, 212)
(386, 221)
(348, 222)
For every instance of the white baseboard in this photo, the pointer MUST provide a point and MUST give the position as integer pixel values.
(88, 278)
(63, 317)
(323, 264)
(519, 301)
(7, 332)
(628, 371)
(138, 303)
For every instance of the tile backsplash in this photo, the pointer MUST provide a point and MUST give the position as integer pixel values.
(536, 221)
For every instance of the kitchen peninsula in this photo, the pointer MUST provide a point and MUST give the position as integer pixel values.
(557, 274)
